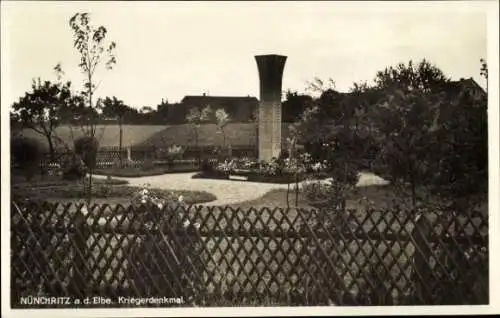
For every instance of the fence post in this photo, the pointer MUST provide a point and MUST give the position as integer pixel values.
(420, 234)
(80, 237)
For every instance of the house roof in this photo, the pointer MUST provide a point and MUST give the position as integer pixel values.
(227, 102)
(453, 87)
(206, 99)
(469, 83)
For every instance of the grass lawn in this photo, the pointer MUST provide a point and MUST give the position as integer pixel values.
(58, 183)
(380, 195)
(104, 191)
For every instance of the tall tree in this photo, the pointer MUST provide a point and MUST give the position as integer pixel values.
(407, 121)
(294, 104)
(423, 76)
(432, 139)
(113, 107)
(42, 109)
(461, 152)
(91, 43)
(162, 110)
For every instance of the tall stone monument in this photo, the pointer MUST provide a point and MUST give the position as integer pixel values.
(270, 74)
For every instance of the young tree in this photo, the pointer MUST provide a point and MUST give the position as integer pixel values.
(318, 86)
(196, 118)
(113, 107)
(293, 161)
(222, 118)
(90, 42)
(42, 109)
(335, 145)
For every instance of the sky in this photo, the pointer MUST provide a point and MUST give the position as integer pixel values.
(172, 49)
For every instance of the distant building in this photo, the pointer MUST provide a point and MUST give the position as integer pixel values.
(455, 87)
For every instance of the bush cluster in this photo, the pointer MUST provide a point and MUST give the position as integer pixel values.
(26, 154)
(74, 168)
(86, 147)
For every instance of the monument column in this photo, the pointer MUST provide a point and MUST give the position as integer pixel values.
(270, 73)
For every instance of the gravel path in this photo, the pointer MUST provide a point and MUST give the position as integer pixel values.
(226, 191)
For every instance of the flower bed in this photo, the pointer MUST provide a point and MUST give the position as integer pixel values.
(244, 169)
(250, 177)
(160, 259)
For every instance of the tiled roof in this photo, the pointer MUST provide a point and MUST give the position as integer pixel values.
(216, 99)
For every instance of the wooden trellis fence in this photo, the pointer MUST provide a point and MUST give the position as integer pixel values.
(220, 256)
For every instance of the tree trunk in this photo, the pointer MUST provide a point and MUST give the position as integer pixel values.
(92, 134)
(288, 195)
(198, 149)
(51, 147)
(296, 190)
(257, 136)
(120, 145)
(52, 156)
(224, 143)
(89, 201)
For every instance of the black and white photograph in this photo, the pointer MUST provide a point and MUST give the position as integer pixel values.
(264, 157)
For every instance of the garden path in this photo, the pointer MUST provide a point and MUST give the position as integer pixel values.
(226, 191)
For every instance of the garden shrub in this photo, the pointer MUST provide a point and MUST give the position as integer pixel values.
(26, 153)
(86, 147)
(74, 168)
(207, 166)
